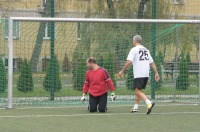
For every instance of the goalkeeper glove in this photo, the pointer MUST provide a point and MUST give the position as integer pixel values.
(113, 96)
(83, 98)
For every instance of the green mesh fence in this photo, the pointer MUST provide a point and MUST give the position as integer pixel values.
(175, 48)
(44, 79)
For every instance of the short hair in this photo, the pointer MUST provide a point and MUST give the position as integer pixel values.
(137, 38)
(91, 60)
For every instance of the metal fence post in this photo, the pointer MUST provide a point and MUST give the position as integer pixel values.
(52, 39)
(153, 48)
(199, 64)
(176, 63)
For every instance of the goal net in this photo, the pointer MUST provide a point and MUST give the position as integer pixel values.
(46, 59)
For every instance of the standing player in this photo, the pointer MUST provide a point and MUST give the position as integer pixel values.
(141, 59)
(96, 82)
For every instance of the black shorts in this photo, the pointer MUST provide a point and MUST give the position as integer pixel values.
(140, 83)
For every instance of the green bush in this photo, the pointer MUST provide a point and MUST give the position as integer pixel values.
(25, 81)
(160, 57)
(3, 77)
(66, 64)
(79, 76)
(100, 61)
(129, 78)
(188, 58)
(109, 65)
(56, 82)
(183, 77)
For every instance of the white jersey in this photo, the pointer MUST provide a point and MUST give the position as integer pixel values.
(141, 59)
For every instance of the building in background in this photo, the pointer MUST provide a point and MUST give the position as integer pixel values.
(68, 35)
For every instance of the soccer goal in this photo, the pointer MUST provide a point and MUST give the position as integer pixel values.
(46, 59)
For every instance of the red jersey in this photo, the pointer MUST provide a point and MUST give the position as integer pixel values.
(96, 82)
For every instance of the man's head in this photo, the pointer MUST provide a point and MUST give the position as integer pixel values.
(91, 63)
(137, 39)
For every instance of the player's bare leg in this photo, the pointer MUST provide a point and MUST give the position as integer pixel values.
(142, 96)
(137, 101)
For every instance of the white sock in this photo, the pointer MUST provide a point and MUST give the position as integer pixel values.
(148, 102)
(135, 106)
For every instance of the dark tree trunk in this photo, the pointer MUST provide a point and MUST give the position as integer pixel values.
(112, 13)
(39, 39)
(82, 49)
(140, 14)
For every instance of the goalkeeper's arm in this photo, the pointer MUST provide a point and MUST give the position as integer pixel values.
(110, 84)
(85, 88)
(86, 84)
(112, 88)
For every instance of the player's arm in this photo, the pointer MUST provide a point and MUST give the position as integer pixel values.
(86, 84)
(126, 66)
(109, 81)
(130, 58)
(110, 84)
(85, 87)
(153, 65)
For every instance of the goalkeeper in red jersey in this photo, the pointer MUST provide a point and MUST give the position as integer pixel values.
(96, 82)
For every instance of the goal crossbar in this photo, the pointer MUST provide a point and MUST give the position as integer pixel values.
(100, 20)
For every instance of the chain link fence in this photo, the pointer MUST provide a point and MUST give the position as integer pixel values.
(172, 46)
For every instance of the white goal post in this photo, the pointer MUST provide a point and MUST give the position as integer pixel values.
(94, 20)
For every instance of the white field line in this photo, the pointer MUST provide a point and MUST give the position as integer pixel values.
(110, 106)
(105, 114)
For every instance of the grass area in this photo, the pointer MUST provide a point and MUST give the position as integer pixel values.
(68, 91)
(162, 91)
(170, 118)
(40, 92)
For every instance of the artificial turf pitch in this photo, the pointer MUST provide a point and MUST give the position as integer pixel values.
(164, 118)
